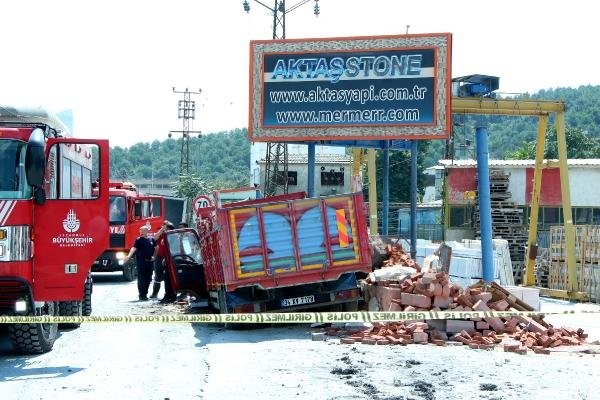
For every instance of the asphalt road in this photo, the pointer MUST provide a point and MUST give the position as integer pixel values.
(183, 361)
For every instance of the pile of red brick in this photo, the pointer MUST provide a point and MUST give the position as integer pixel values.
(397, 256)
(434, 291)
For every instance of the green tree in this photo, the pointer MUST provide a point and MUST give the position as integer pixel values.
(579, 145)
(399, 174)
(188, 186)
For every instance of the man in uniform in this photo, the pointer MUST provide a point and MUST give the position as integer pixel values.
(143, 248)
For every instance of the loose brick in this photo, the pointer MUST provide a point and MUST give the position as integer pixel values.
(464, 301)
(495, 323)
(318, 336)
(446, 290)
(482, 325)
(442, 302)
(454, 325)
(420, 337)
(428, 277)
(383, 342)
(521, 350)
(485, 297)
(512, 346)
(368, 341)
(347, 340)
(416, 300)
(531, 325)
(500, 305)
(540, 350)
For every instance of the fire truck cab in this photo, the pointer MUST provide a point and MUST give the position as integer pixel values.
(128, 212)
(53, 222)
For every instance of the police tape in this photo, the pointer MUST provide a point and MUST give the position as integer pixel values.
(284, 318)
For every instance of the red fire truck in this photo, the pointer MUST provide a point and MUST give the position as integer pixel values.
(53, 224)
(128, 211)
(278, 253)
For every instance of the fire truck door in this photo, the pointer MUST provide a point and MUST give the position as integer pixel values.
(70, 229)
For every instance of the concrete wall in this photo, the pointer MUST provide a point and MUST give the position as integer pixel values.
(584, 189)
(516, 184)
(302, 178)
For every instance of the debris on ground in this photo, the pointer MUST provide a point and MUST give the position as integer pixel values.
(405, 289)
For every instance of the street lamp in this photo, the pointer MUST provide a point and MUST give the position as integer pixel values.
(280, 8)
(276, 160)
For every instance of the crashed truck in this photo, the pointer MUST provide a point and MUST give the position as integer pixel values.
(53, 222)
(278, 253)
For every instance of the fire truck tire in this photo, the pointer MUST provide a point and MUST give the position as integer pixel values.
(35, 338)
(130, 271)
(70, 309)
(86, 306)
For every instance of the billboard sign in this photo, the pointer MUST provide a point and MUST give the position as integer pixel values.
(363, 88)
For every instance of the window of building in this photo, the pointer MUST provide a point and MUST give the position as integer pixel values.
(332, 178)
(596, 216)
(550, 216)
(293, 178)
(460, 216)
(582, 216)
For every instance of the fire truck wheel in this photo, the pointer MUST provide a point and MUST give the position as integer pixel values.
(70, 309)
(35, 338)
(130, 271)
(87, 297)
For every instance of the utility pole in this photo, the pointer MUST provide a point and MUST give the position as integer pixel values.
(186, 111)
(276, 160)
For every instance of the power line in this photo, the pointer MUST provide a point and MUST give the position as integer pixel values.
(186, 111)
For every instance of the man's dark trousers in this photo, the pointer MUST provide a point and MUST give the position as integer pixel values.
(145, 268)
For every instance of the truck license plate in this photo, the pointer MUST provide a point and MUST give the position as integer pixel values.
(296, 301)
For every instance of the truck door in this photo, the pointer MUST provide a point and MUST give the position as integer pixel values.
(184, 261)
(70, 229)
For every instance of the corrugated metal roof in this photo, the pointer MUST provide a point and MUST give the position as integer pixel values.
(576, 162)
(319, 159)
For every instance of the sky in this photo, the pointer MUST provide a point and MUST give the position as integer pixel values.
(115, 62)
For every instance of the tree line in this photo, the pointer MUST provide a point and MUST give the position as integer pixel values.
(222, 160)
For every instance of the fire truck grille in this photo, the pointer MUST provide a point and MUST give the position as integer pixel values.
(117, 240)
(10, 292)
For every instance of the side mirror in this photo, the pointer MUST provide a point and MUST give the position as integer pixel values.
(35, 158)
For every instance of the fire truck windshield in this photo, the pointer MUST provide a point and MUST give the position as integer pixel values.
(117, 210)
(13, 183)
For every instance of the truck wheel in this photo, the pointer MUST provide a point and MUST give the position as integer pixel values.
(86, 306)
(35, 338)
(70, 309)
(129, 271)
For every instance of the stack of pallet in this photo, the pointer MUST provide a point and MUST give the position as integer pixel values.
(507, 221)
(587, 259)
